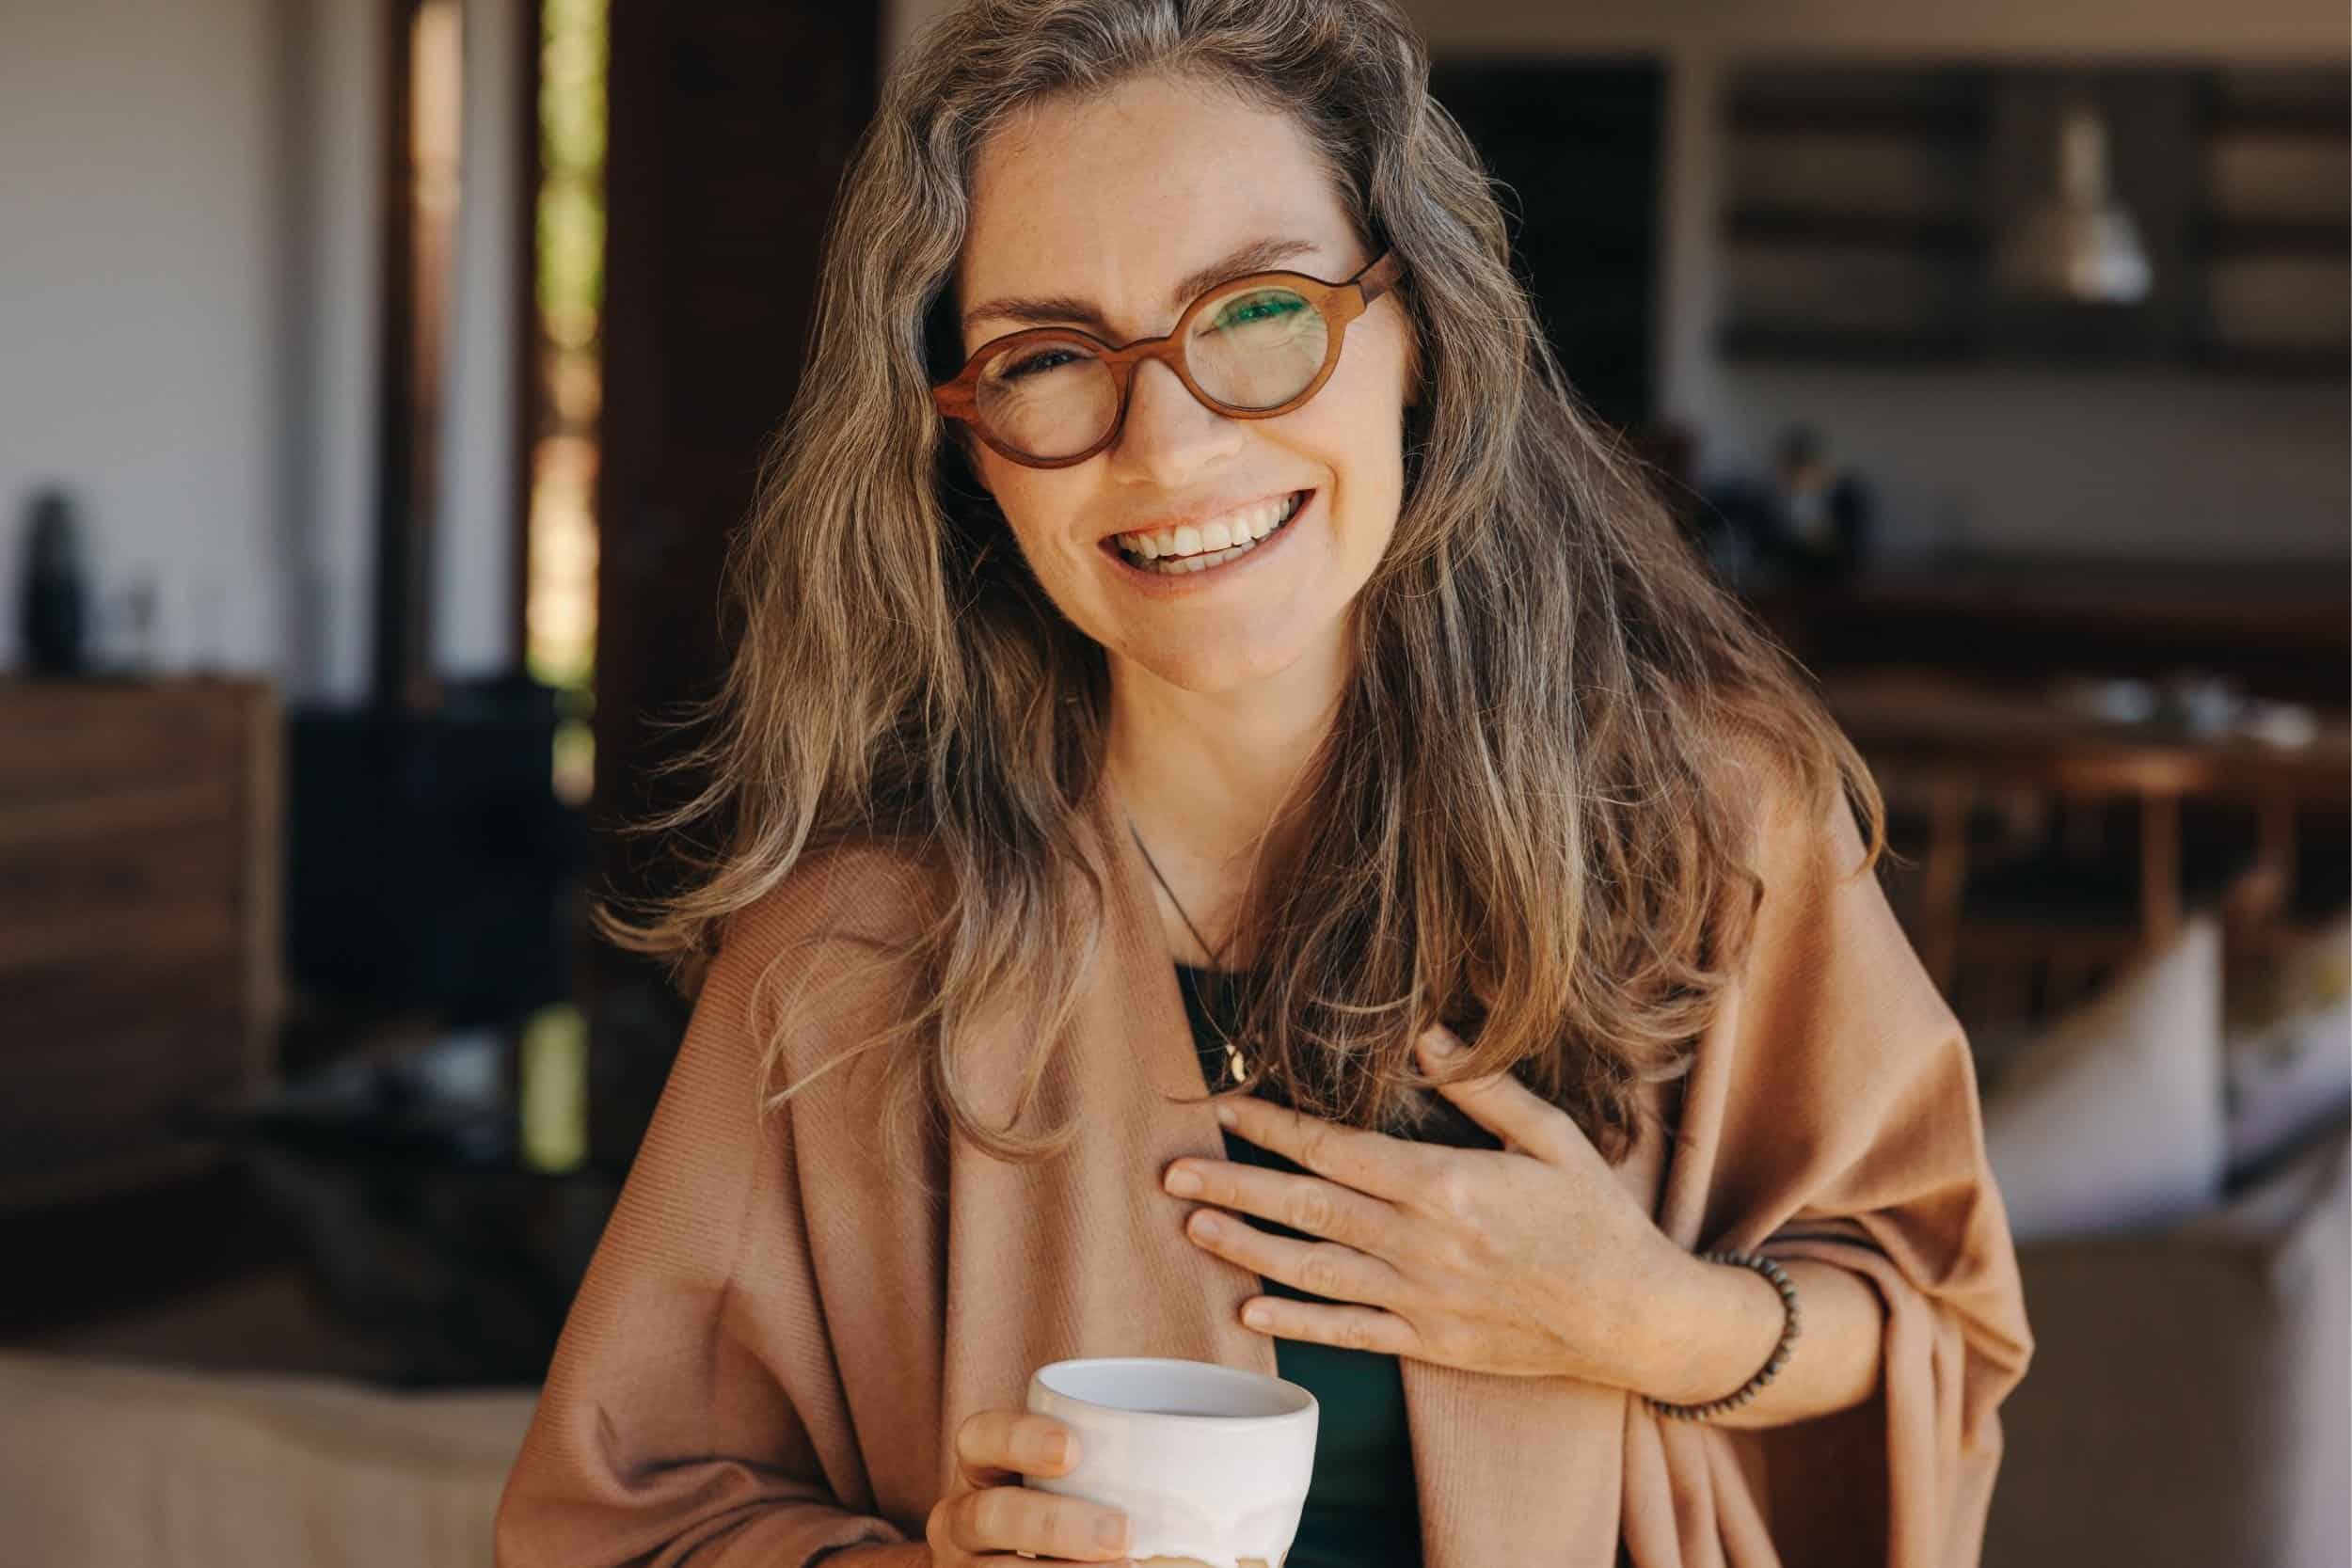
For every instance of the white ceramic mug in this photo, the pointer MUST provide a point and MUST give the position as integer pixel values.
(1211, 1463)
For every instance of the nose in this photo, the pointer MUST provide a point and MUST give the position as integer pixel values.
(1170, 435)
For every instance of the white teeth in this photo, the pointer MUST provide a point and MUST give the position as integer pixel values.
(1211, 544)
(1201, 544)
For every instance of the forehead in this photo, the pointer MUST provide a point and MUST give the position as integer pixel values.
(1112, 194)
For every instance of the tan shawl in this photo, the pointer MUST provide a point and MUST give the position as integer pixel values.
(779, 1337)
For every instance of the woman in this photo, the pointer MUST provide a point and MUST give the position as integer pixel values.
(1325, 659)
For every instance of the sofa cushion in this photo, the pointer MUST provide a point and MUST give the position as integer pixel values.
(2185, 1403)
(2109, 1119)
(124, 1464)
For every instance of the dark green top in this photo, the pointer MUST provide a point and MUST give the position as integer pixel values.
(1362, 1510)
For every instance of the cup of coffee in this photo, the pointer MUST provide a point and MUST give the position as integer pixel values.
(1210, 1463)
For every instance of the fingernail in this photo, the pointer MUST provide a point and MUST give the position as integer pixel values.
(1183, 1183)
(1111, 1534)
(1226, 1115)
(1442, 1043)
(1056, 1450)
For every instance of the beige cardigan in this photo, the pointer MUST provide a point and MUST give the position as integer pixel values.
(779, 1337)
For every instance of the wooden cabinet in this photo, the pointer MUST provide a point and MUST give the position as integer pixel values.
(140, 925)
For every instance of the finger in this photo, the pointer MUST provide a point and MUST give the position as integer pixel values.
(1306, 1204)
(1353, 1157)
(1362, 1328)
(1022, 1519)
(994, 1448)
(1523, 1119)
(1325, 1268)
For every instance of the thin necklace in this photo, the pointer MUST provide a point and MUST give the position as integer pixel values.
(1238, 1064)
(1216, 955)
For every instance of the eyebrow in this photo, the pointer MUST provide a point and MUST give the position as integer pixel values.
(1052, 309)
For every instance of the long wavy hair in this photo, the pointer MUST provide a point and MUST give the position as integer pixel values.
(1518, 825)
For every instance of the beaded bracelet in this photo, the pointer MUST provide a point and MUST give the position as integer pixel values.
(1789, 1332)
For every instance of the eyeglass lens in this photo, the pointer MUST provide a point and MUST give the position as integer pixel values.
(1255, 346)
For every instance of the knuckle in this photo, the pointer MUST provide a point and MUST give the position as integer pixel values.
(1312, 1211)
(986, 1436)
(1320, 1273)
(1355, 1333)
(945, 1527)
(1449, 1193)
(988, 1516)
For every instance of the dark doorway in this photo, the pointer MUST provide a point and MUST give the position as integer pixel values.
(731, 123)
(1576, 143)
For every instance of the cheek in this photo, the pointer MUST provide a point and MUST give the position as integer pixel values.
(1360, 436)
(1036, 516)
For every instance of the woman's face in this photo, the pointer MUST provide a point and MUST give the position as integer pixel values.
(1112, 201)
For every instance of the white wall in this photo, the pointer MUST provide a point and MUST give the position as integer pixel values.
(190, 277)
(335, 87)
(473, 631)
(140, 328)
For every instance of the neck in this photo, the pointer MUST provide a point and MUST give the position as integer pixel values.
(1216, 784)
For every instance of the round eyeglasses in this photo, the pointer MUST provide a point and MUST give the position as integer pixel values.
(1250, 348)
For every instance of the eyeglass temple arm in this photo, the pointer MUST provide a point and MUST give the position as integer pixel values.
(1379, 277)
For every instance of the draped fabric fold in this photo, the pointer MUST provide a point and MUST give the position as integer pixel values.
(1833, 1114)
(780, 1335)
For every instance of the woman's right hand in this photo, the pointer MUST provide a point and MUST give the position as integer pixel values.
(994, 1516)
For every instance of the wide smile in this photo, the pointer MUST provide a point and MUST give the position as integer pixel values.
(1193, 562)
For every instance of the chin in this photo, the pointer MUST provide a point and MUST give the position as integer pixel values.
(1225, 670)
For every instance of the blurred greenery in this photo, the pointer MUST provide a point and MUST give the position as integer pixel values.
(569, 288)
(572, 58)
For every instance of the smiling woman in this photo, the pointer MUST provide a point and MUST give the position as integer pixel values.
(1185, 552)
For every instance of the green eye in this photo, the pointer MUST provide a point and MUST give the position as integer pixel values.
(1256, 309)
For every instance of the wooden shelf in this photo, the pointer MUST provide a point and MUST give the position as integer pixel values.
(1754, 343)
(1832, 116)
(2318, 120)
(1757, 223)
(2324, 239)
(2314, 363)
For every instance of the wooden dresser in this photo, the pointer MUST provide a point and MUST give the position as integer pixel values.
(139, 922)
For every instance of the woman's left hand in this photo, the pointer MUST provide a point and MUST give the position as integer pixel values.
(1532, 1261)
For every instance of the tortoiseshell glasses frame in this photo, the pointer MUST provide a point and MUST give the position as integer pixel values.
(1338, 303)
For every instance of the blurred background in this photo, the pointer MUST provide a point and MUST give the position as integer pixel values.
(379, 380)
